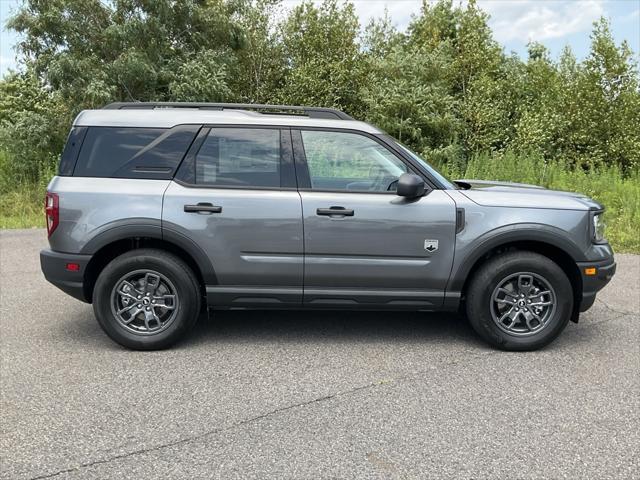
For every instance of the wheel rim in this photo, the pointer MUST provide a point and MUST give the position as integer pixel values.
(523, 303)
(144, 302)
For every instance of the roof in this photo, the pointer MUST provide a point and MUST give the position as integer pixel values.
(167, 117)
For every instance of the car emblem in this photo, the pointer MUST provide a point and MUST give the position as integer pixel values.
(431, 245)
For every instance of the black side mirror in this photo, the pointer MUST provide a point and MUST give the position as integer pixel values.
(410, 186)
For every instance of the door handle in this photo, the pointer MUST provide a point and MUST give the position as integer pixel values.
(202, 207)
(335, 211)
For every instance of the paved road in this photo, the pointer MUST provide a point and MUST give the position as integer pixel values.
(312, 395)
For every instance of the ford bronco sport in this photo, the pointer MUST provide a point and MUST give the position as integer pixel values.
(162, 209)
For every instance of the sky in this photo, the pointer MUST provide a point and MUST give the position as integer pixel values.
(554, 23)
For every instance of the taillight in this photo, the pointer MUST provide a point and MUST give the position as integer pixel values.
(51, 211)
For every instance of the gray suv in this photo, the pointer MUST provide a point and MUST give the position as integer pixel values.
(160, 210)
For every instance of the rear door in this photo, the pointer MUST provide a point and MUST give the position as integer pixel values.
(364, 245)
(235, 197)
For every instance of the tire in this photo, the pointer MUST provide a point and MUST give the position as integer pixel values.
(157, 293)
(498, 315)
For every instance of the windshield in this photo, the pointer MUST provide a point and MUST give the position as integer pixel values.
(434, 173)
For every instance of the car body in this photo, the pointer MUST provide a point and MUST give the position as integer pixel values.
(306, 209)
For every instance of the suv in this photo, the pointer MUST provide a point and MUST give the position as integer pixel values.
(162, 209)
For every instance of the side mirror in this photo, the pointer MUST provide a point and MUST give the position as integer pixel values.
(410, 186)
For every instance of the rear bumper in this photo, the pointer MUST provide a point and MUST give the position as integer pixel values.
(54, 268)
(592, 284)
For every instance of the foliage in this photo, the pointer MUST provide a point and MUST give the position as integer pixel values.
(95, 52)
(33, 121)
(259, 68)
(22, 202)
(416, 108)
(323, 58)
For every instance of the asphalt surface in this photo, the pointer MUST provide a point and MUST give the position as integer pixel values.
(311, 395)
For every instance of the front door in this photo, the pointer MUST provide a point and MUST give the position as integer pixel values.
(364, 245)
(235, 198)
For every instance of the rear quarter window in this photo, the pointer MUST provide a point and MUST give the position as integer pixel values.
(71, 150)
(125, 152)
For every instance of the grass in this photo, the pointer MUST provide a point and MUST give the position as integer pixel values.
(21, 204)
(21, 201)
(22, 207)
(619, 194)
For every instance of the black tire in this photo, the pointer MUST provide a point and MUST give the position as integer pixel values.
(175, 273)
(480, 303)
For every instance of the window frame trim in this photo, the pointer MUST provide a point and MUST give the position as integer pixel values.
(185, 174)
(302, 167)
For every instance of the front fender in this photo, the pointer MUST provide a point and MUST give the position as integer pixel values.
(468, 254)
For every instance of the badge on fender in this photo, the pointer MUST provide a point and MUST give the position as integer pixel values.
(431, 245)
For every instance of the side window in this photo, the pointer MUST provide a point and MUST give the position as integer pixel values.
(71, 150)
(127, 152)
(242, 157)
(349, 161)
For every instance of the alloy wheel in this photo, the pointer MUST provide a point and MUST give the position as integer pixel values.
(523, 303)
(144, 302)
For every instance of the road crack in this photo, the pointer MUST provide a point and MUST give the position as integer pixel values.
(211, 432)
(611, 309)
(262, 416)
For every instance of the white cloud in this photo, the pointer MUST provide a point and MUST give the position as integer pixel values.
(524, 20)
(519, 20)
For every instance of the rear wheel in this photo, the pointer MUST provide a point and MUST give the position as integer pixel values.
(519, 301)
(146, 299)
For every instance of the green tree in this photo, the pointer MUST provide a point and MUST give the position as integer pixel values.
(607, 124)
(258, 73)
(380, 37)
(417, 107)
(324, 63)
(436, 24)
(33, 125)
(541, 120)
(94, 52)
(475, 68)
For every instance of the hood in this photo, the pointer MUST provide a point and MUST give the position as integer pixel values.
(510, 194)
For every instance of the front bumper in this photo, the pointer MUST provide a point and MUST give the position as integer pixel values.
(54, 266)
(592, 284)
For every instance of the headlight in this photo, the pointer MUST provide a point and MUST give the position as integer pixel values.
(598, 228)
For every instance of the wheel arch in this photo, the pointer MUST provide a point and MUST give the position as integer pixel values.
(560, 250)
(119, 240)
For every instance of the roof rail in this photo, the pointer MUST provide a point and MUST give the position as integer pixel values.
(311, 112)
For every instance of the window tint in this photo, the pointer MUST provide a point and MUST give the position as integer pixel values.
(239, 157)
(123, 152)
(348, 161)
(71, 149)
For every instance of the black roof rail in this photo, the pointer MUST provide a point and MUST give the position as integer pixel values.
(311, 112)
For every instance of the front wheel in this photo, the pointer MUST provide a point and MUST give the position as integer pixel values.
(519, 301)
(146, 299)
